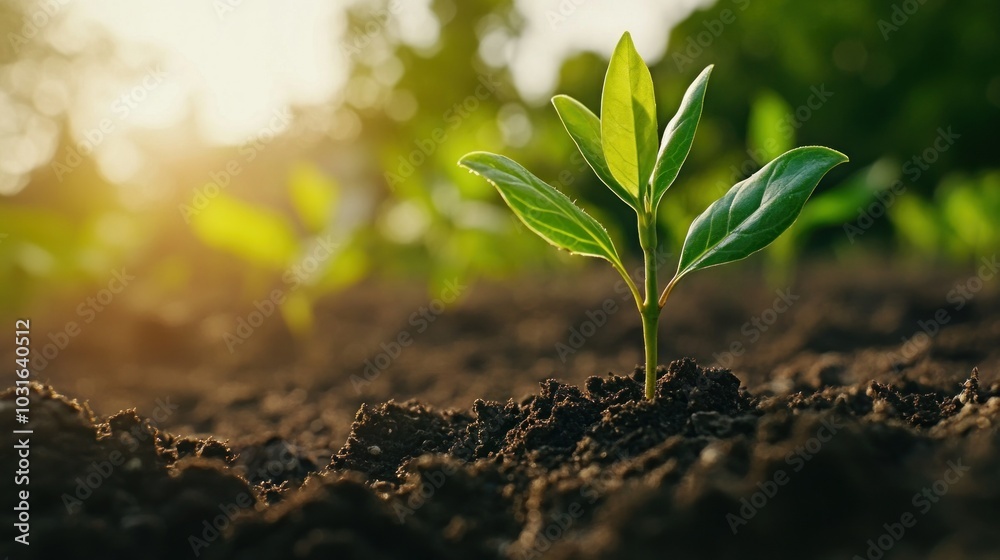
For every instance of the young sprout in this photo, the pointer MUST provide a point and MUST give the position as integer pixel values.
(621, 148)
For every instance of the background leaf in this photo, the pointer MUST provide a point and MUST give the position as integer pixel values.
(544, 210)
(628, 119)
(756, 210)
(297, 312)
(678, 137)
(584, 128)
(255, 233)
(313, 194)
(770, 131)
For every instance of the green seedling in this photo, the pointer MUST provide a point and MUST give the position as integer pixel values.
(621, 148)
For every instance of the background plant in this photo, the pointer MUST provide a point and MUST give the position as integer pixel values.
(59, 237)
(621, 148)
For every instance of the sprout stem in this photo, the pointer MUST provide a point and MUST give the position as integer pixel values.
(650, 308)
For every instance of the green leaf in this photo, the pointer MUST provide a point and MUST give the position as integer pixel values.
(840, 203)
(297, 312)
(256, 234)
(769, 132)
(544, 210)
(584, 128)
(314, 196)
(678, 137)
(756, 210)
(628, 119)
(918, 224)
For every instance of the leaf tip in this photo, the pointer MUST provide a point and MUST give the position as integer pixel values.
(469, 161)
(559, 99)
(704, 75)
(841, 157)
(837, 156)
(467, 158)
(625, 43)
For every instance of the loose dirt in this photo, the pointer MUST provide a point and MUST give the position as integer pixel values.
(847, 414)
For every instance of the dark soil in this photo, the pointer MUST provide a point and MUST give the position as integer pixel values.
(835, 434)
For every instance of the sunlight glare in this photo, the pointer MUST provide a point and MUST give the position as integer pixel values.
(237, 62)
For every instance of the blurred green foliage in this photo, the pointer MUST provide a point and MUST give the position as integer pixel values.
(877, 79)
